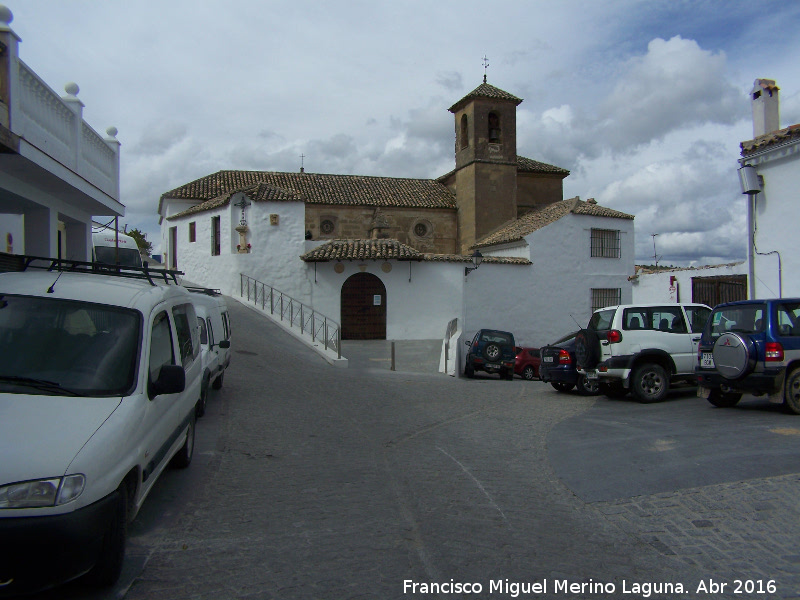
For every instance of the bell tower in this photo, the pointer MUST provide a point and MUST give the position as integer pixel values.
(486, 161)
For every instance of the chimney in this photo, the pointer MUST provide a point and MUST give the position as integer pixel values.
(766, 117)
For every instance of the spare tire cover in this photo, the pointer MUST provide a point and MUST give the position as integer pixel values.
(587, 349)
(733, 355)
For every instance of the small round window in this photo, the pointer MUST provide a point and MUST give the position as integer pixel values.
(326, 227)
(421, 229)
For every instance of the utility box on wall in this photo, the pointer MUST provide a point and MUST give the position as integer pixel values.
(273, 219)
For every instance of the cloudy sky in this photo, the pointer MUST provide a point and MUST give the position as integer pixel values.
(644, 102)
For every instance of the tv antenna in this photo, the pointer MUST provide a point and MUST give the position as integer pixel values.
(655, 255)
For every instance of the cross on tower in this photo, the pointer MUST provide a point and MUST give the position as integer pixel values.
(485, 67)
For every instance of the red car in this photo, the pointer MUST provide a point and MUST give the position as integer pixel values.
(527, 363)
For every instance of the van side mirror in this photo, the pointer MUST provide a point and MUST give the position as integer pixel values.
(224, 344)
(171, 380)
(467, 343)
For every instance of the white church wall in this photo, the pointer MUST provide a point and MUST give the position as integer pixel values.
(274, 254)
(419, 309)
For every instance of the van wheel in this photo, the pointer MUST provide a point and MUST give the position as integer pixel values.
(218, 381)
(650, 383)
(469, 371)
(792, 392)
(108, 567)
(723, 400)
(183, 458)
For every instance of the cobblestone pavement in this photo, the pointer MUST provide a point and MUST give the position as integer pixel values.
(345, 483)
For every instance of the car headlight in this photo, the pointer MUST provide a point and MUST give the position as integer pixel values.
(42, 492)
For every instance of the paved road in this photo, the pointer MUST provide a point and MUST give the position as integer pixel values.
(316, 482)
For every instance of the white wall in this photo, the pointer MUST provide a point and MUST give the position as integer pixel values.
(552, 297)
(12, 225)
(274, 254)
(675, 285)
(419, 309)
(776, 219)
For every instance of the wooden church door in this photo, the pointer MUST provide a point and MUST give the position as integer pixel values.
(363, 308)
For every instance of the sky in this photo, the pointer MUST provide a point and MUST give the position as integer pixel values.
(644, 102)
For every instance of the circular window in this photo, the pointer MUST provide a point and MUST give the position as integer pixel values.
(326, 227)
(421, 229)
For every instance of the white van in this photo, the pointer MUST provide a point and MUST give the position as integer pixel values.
(110, 248)
(100, 375)
(215, 336)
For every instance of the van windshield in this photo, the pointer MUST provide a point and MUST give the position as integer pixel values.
(67, 348)
(128, 257)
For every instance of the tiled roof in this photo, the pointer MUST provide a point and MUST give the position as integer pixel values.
(391, 249)
(775, 138)
(524, 165)
(361, 250)
(315, 188)
(528, 165)
(541, 217)
(485, 90)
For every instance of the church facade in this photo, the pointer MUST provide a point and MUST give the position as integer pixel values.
(386, 256)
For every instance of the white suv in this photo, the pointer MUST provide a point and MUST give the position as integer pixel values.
(641, 348)
(100, 374)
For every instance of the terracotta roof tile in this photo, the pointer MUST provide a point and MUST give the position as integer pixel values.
(313, 188)
(485, 90)
(775, 138)
(391, 249)
(541, 217)
(524, 165)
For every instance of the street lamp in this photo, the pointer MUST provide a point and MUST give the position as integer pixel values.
(477, 259)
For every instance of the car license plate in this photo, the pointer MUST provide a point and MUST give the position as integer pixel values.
(492, 367)
(707, 360)
(591, 375)
(548, 359)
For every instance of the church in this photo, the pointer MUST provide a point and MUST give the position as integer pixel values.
(395, 258)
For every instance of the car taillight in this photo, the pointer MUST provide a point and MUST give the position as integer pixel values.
(614, 336)
(564, 358)
(774, 352)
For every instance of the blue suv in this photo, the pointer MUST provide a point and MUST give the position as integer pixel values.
(752, 347)
(491, 351)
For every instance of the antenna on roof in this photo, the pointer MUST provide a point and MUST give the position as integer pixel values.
(485, 66)
(655, 255)
(302, 168)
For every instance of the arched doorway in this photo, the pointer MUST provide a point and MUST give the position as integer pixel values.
(363, 308)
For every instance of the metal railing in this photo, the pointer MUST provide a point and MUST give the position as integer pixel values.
(290, 310)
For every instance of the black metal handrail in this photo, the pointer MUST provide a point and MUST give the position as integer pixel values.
(297, 314)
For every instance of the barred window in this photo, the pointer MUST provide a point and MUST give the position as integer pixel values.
(605, 243)
(602, 297)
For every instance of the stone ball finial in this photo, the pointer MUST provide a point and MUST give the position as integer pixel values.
(6, 16)
(72, 88)
(112, 132)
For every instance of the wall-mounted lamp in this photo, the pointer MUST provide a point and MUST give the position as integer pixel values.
(749, 180)
(477, 259)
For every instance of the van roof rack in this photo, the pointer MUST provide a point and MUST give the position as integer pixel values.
(97, 268)
(204, 290)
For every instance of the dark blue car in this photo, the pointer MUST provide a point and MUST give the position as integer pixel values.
(558, 367)
(751, 347)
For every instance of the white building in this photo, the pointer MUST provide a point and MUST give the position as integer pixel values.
(387, 257)
(56, 172)
(770, 176)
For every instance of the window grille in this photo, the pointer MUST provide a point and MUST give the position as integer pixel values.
(605, 243)
(602, 297)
